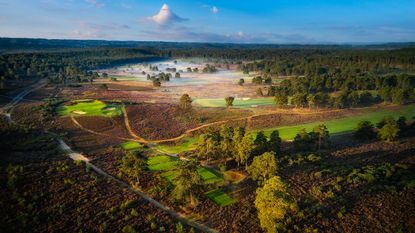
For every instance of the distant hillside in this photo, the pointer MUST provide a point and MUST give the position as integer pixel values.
(8, 45)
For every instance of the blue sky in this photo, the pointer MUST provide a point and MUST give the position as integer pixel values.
(260, 21)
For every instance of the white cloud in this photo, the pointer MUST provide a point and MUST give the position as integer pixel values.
(215, 10)
(166, 16)
(95, 3)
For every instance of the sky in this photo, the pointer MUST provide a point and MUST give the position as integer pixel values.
(228, 21)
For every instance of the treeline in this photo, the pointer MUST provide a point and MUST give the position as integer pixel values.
(338, 79)
(64, 66)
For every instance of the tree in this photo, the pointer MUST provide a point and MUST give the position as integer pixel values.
(322, 135)
(260, 143)
(281, 100)
(245, 148)
(299, 100)
(156, 82)
(177, 75)
(132, 166)
(226, 142)
(384, 121)
(229, 101)
(263, 166)
(273, 202)
(238, 135)
(303, 140)
(185, 103)
(241, 82)
(311, 101)
(364, 131)
(274, 142)
(188, 182)
(389, 132)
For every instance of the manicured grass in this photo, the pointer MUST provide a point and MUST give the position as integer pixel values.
(169, 164)
(344, 125)
(188, 144)
(131, 145)
(162, 163)
(90, 108)
(209, 176)
(238, 103)
(220, 198)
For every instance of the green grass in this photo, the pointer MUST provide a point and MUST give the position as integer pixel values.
(343, 125)
(209, 176)
(238, 103)
(188, 144)
(131, 145)
(168, 165)
(162, 163)
(90, 108)
(220, 198)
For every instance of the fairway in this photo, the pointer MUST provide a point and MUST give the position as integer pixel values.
(237, 103)
(343, 125)
(162, 163)
(220, 198)
(169, 165)
(90, 108)
(189, 144)
(131, 145)
(209, 176)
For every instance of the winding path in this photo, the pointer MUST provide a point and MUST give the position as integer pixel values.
(80, 157)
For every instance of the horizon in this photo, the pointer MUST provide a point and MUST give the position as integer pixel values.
(265, 22)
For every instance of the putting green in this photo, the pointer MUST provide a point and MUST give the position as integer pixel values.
(343, 125)
(90, 108)
(220, 198)
(131, 145)
(237, 103)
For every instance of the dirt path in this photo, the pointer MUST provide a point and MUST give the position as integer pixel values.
(79, 157)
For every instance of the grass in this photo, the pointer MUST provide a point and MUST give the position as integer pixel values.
(168, 165)
(90, 108)
(188, 144)
(162, 163)
(335, 126)
(343, 125)
(238, 103)
(131, 145)
(209, 176)
(220, 198)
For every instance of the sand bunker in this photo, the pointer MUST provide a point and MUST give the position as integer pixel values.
(79, 112)
(109, 109)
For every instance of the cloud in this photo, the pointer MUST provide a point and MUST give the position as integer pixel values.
(190, 34)
(95, 3)
(215, 10)
(87, 30)
(166, 17)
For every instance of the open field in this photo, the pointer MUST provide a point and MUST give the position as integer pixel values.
(238, 102)
(90, 108)
(188, 144)
(220, 198)
(346, 124)
(131, 146)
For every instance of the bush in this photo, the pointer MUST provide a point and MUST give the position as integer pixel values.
(364, 131)
(389, 132)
